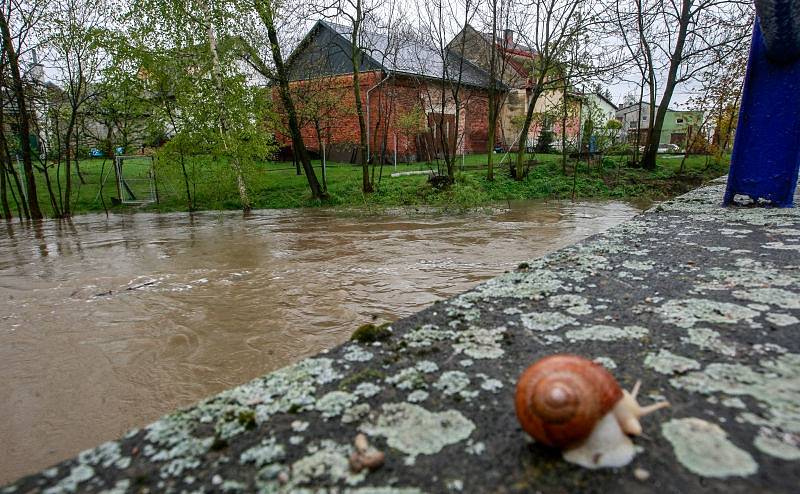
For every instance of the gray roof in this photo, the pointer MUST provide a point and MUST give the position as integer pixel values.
(412, 57)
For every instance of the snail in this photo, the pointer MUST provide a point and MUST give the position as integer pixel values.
(576, 405)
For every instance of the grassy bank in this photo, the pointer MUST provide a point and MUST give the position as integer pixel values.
(276, 184)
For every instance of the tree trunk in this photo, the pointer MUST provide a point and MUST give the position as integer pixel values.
(24, 123)
(3, 191)
(490, 143)
(234, 162)
(649, 157)
(366, 183)
(264, 8)
(537, 91)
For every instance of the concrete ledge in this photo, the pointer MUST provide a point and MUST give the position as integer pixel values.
(700, 302)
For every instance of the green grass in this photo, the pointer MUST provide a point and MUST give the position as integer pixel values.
(276, 185)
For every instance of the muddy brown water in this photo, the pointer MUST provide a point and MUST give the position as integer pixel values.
(107, 324)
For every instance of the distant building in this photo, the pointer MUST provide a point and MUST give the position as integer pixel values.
(678, 124)
(406, 94)
(513, 67)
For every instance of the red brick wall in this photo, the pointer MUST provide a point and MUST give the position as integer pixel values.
(333, 100)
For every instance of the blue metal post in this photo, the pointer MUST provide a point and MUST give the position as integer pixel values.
(766, 152)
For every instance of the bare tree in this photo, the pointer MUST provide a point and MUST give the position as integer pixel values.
(634, 21)
(695, 35)
(77, 55)
(548, 27)
(19, 19)
(445, 95)
(268, 13)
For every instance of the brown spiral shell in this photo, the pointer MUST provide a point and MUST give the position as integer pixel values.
(560, 398)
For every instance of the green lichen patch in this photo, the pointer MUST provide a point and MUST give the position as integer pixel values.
(773, 296)
(413, 377)
(606, 362)
(416, 431)
(606, 333)
(266, 452)
(781, 246)
(454, 382)
(355, 413)
(686, 313)
(533, 283)
(355, 353)
(708, 339)
(784, 446)
(704, 449)
(775, 384)
(638, 265)
(291, 389)
(480, 343)
(417, 396)
(574, 304)
(426, 335)
(327, 465)
(781, 320)
(77, 475)
(370, 333)
(334, 403)
(666, 362)
(491, 385)
(546, 321)
(367, 390)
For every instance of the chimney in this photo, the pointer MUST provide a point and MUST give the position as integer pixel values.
(508, 35)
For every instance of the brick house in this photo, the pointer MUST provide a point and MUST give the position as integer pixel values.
(409, 94)
(513, 68)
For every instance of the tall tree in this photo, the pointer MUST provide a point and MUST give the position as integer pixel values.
(267, 12)
(77, 55)
(447, 98)
(357, 14)
(691, 41)
(18, 21)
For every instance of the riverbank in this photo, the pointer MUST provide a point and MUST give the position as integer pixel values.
(275, 185)
(697, 301)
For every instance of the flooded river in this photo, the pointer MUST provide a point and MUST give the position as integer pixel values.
(107, 324)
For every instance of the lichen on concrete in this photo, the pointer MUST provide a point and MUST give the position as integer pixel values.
(685, 313)
(480, 343)
(454, 382)
(329, 463)
(773, 296)
(704, 448)
(606, 333)
(334, 403)
(367, 390)
(355, 353)
(785, 446)
(775, 384)
(266, 452)
(606, 362)
(779, 319)
(666, 362)
(576, 305)
(546, 321)
(708, 339)
(415, 431)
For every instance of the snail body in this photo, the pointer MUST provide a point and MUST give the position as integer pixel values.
(576, 405)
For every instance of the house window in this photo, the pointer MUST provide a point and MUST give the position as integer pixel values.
(679, 120)
(644, 118)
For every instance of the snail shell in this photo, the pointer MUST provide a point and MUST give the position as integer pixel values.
(561, 398)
